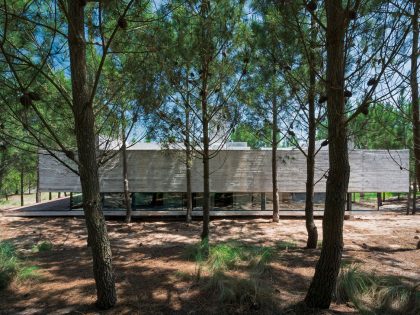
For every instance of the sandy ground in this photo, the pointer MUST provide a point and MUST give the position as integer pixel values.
(149, 255)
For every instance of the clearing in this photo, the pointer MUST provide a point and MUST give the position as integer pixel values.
(154, 274)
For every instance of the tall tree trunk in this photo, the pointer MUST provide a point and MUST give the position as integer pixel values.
(274, 144)
(379, 199)
(206, 54)
(21, 187)
(413, 211)
(415, 90)
(408, 197)
(310, 159)
(3, 170)
(125, 170)
(85, 135)
(206, 168)
(415, 101)
(326, 272)
(38, 192)
(188, 163)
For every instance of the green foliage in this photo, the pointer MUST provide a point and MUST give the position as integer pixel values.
(44, 246)
(231, 255)
(8, 264)
(384, 128)
(246, 133)
(243, 292)
(372, 294)
(12, 267)
(28, 273)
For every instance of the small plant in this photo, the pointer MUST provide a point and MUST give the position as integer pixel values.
(285, 245)
(11, 266)
(8, 263)
(243, 293)
(183, 275)
(44, 246)
(372, 294)
(28, 273)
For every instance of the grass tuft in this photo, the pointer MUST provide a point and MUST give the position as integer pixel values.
(28, 273)
(286, 245)
(241, 294)
(44, 246)
(372, 294)
(244, 291)
(8, 264)
(11, 267)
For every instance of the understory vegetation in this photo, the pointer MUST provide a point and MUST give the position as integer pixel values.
(372, 294)
(13, 267)
(234, 272)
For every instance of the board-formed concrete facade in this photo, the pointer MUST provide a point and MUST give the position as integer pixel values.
(155, 170)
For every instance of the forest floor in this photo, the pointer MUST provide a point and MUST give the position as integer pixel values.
(154, 276)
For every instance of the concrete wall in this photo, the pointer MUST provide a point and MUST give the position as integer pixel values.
(234, 171)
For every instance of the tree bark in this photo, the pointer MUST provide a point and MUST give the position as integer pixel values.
(408, 198)
(323, 284)
(349, 202)
(379, 199)
(413, 210)
(38, 192)
(188, 154)
(415, 90)
(274, 144)
(21, 187)
(206, 169)
(125, 171)
(86, 143)
(188, 161)
(205, 57)
(3, 170)
(310, 158)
